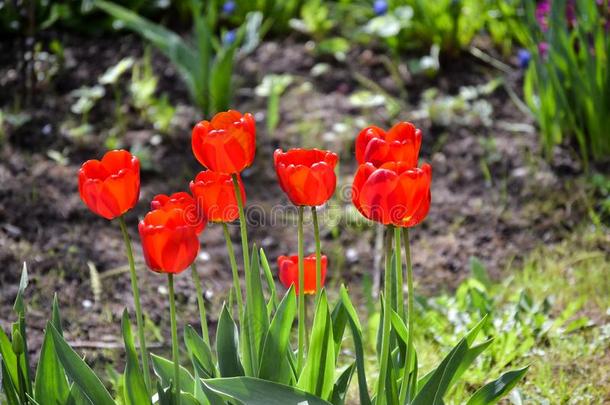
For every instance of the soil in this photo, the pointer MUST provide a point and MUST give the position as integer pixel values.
(523, 202)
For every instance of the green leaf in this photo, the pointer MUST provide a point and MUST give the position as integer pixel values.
(8, 388)
(269, 278)
(479, 272)
(134, 386)
(19, 305)
(339, 318)
(435, 388)
(199, 352)
(76, 397)
(317, 376)
(164, 368)
(167, 42)
(341, 385)
(56, 317)
(255, 322)
(492, 392)
(277, 339)
(80, 372)
(51, 385)
(253, 391)
(436, 383)
(356, 330)
(9, 359)
(227, 346)
(469, 357)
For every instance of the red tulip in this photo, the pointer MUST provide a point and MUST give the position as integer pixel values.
(227, 143)
(307, 176)
(169, 241)
(400, 144)
(110, 187)
(289, 272)
(183, 201)
(394, 193)
(215, 195)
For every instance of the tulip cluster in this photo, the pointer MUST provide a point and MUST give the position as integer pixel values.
(388, 188)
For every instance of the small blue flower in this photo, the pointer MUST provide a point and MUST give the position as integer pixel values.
(229, 37)
(380, 7)
(228, 7)
(524, 56)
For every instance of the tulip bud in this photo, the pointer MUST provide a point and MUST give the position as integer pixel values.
(18, 345)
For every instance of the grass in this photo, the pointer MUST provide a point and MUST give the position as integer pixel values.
(551, 312)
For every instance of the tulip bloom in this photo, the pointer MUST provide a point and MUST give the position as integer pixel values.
(307, 176)
(289, 272)
(394, 193)
(227, 143)
(215, 195)
(183, 201)
(400, 144)
(169, 241)
(110, 187)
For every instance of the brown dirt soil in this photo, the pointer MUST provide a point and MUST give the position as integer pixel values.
(524, 203)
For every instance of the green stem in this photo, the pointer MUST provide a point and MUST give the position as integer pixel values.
(301, 297)
(316, 234)
(400, 300)
(136, 299)
(410, 314)
(236, 284)
(175, 358)
(242, 225)
(385, 342)
(201, 303)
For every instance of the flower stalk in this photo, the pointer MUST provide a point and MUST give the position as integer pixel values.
(301, 295)
(316, 233)
(387, 313)
(242, 225)
(410, 314)
(136, 298)
(200, 303)
(236, 284)
(400, 300)
(175, 357)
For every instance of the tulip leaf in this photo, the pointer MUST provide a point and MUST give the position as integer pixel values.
(8, 388)
(277, 339)
(452, 366)
(253, 391)
(356, 330)
(339, 318)
(199, 352)
(318, 373)
(492, 392)
(255, 320)
(80, 372)
(164, 368)
(136, 392)
(273, 301)
(203, 364)
(31, 401)
(166, 397)
(51, 384)
(227, 346)
(19, 306)
(76, 397)
(342, 384)
(8, 359)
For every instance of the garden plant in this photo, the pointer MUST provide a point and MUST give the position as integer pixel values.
(375, 202)
(253, 361)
